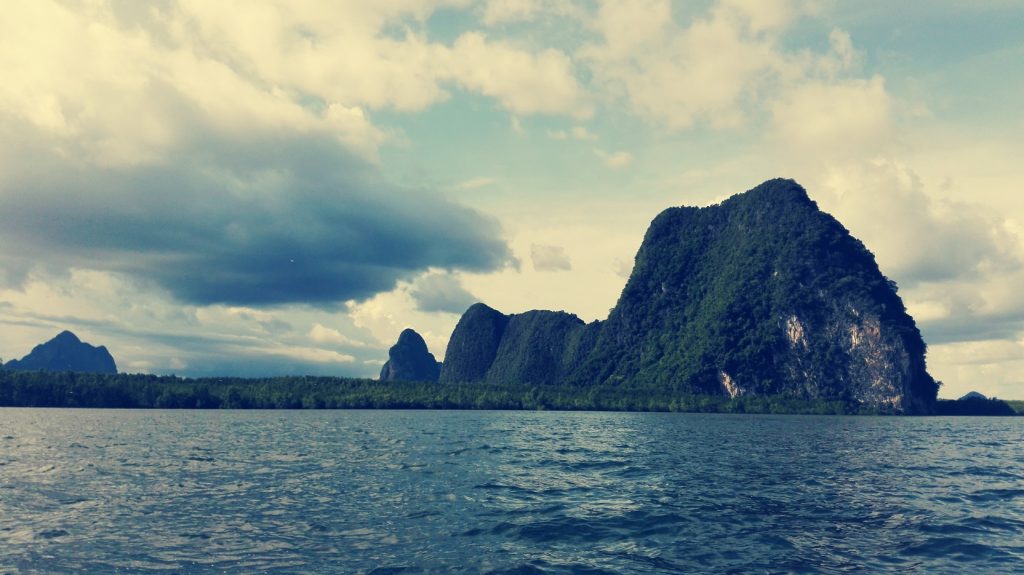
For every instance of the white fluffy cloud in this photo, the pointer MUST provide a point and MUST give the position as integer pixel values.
(920, 239)
(675, 75)
(501, 11)
(105, 81)
(835, 118)
(676, 67)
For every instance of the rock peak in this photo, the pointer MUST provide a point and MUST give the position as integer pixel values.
(410, 360)
(66, 336)
(775, 191)
(409, 338)
(65, 352)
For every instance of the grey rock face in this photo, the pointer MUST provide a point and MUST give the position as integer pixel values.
(474, 344)
(409, 360)
(66, 352)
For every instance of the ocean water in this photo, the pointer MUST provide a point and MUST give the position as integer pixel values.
(97, 491)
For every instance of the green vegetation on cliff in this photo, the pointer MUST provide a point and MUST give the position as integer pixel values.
(761, 295)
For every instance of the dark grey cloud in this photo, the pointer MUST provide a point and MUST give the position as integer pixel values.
(968, 327)
(963, 244)
(441, 292)
(268, 220)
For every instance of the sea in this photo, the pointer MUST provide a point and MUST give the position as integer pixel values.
(502, 492)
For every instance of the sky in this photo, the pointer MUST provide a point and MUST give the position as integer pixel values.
(268, 187)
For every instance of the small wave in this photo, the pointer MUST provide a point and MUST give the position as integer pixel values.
(566, 529)
(985, 495)
(524, 569)
(390, 570)
(989, 471)
(597, 465)
(955, 548)
(502, 487)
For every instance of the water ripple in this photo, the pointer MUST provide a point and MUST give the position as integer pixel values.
(506, 492)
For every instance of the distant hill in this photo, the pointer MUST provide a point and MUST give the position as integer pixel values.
(973, 395)
(974, 404)
(409, 360)
(761, 295)
(66, 352)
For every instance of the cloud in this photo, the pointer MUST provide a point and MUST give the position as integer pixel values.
(150, 333)
(322, 334)
(994, 366)
(541, 83)
(837, 117)
(475, 183)
(615, 160)
(105, 80)
(623, 267)
(959, 265)
(575, 133)
(439, 292)
(502, 11)
(549, 258)
(345, 54)
(723, 66)
(675, 75)
(919, 238)
(257, 222)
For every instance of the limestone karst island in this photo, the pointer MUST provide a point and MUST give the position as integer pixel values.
(760, 303)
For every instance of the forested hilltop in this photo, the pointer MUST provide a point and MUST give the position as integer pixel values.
(762, 295)
(69, 389)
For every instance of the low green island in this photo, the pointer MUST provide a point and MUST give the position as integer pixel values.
(144, 391)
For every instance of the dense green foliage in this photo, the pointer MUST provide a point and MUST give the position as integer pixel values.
(975, 406)
(68, 389)
(713, 287)
(764, 291)
(533, 348)
(473, 344)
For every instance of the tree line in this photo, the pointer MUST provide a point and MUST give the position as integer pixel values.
(70, 389)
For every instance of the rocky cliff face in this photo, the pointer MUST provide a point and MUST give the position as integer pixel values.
(762, 294)
(66, 352)
(473, 345)
(409, 360)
